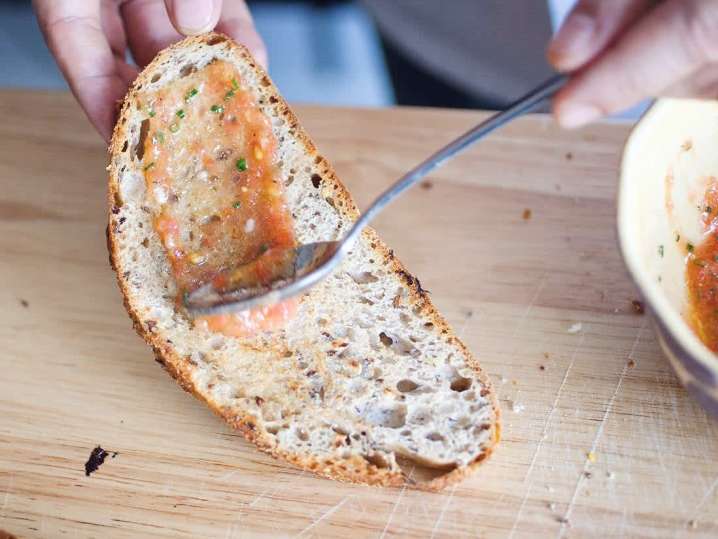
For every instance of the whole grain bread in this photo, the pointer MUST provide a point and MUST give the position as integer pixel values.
(367, 383)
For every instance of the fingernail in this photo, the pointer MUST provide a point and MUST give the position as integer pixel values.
(571, 46)
(577, 115)
(193, 16)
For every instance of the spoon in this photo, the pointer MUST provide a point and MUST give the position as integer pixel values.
(287, 272)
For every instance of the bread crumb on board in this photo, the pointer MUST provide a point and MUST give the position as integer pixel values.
(97, 458)
(516, 407)
(527, 214)
(575, 328)
(591, 456)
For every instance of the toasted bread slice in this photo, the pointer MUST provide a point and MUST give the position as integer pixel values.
(367, 383)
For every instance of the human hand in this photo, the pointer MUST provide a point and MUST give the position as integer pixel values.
(623, 51)
(89, 39)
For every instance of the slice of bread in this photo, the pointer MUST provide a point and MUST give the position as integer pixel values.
(367, 383)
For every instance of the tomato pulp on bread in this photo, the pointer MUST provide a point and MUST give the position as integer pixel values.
(209, 159)
(702, 273)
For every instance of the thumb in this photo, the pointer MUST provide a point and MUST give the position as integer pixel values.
(191, 17)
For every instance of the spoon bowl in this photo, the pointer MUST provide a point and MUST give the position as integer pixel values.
(274, 276)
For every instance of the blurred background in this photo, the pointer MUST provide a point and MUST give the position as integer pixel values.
(320, 51)
(455, 53)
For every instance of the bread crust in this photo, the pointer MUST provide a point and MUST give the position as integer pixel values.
(355, 470)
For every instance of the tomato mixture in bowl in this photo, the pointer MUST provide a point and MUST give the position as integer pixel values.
(702, 273)
(209, 160)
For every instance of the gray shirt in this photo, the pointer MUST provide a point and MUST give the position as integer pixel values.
(490, 48)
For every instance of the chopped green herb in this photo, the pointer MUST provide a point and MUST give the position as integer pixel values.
(263, 248)
(181, 113)
(185, 297)
(151, 113)
(160, 137)
(237, 204)
(235, 84)
(229, 95)
(660, 251)
(690, 247)
(241, 164)
(174, 127)
(149, 166)
(715, 258)
(193, 92)
(709, 209)
(219, 109)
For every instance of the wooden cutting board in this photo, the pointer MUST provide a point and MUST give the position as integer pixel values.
(599, 438)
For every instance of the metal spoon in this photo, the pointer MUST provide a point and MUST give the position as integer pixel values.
(290, 272)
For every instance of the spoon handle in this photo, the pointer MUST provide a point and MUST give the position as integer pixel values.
(526, 104)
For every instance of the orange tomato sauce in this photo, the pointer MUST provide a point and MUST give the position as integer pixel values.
(213, 186)
(702, 274)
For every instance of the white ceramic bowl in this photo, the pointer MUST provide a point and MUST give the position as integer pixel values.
(667, 162)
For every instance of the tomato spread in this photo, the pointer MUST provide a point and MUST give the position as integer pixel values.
(702, 273)
(209, 160)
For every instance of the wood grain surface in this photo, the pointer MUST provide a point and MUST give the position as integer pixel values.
(599, 440)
